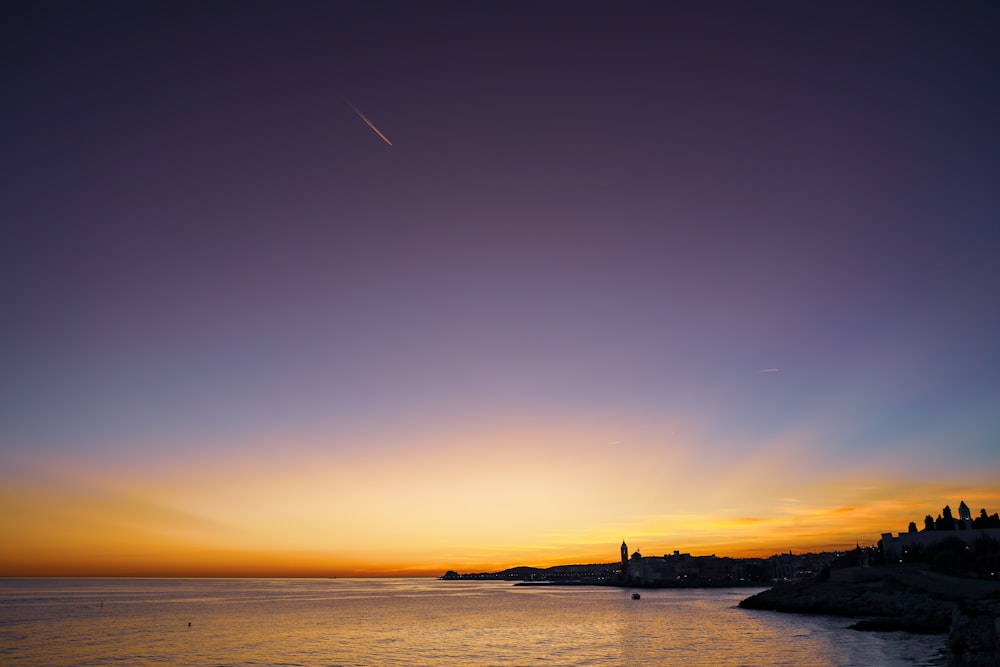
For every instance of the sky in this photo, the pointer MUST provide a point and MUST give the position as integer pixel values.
(370, 289)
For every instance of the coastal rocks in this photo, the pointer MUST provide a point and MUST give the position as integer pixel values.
(903, 600)
(974, 639)
(886, 604)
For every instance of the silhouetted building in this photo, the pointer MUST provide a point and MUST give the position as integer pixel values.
(680, 569)
(946, 527)
(965, 515)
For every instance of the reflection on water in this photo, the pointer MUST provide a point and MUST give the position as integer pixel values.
(417, 622)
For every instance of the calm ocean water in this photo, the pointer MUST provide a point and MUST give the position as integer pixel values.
(417, 622)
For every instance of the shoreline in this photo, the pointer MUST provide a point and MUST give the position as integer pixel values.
(907, 599)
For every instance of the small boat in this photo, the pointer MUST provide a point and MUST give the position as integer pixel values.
(635, 596)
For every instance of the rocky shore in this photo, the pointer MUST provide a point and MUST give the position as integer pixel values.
(902, 599)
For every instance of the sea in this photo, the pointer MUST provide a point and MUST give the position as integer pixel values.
(362, 622)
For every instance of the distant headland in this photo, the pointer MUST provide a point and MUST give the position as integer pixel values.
(676, 570)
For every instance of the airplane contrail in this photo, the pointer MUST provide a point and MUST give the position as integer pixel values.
(369, 123)
(768, 370)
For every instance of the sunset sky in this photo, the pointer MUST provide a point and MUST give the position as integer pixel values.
(715, 277)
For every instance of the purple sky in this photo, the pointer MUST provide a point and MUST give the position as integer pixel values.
(588, 209)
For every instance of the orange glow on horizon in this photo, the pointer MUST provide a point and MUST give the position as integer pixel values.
(547, 494)
(116, 552)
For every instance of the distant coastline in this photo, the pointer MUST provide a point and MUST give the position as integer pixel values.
(675, 570)
(939, 580)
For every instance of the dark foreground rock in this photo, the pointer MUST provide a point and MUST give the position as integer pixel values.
(890, 599)
(974, 639)
(886, 604)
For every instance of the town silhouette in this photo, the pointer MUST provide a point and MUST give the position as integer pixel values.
(941, 579)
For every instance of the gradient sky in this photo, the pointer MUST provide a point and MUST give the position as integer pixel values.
(715, 277)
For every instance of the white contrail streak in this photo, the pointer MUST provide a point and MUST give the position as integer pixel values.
(768, 370)
(369, 123)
